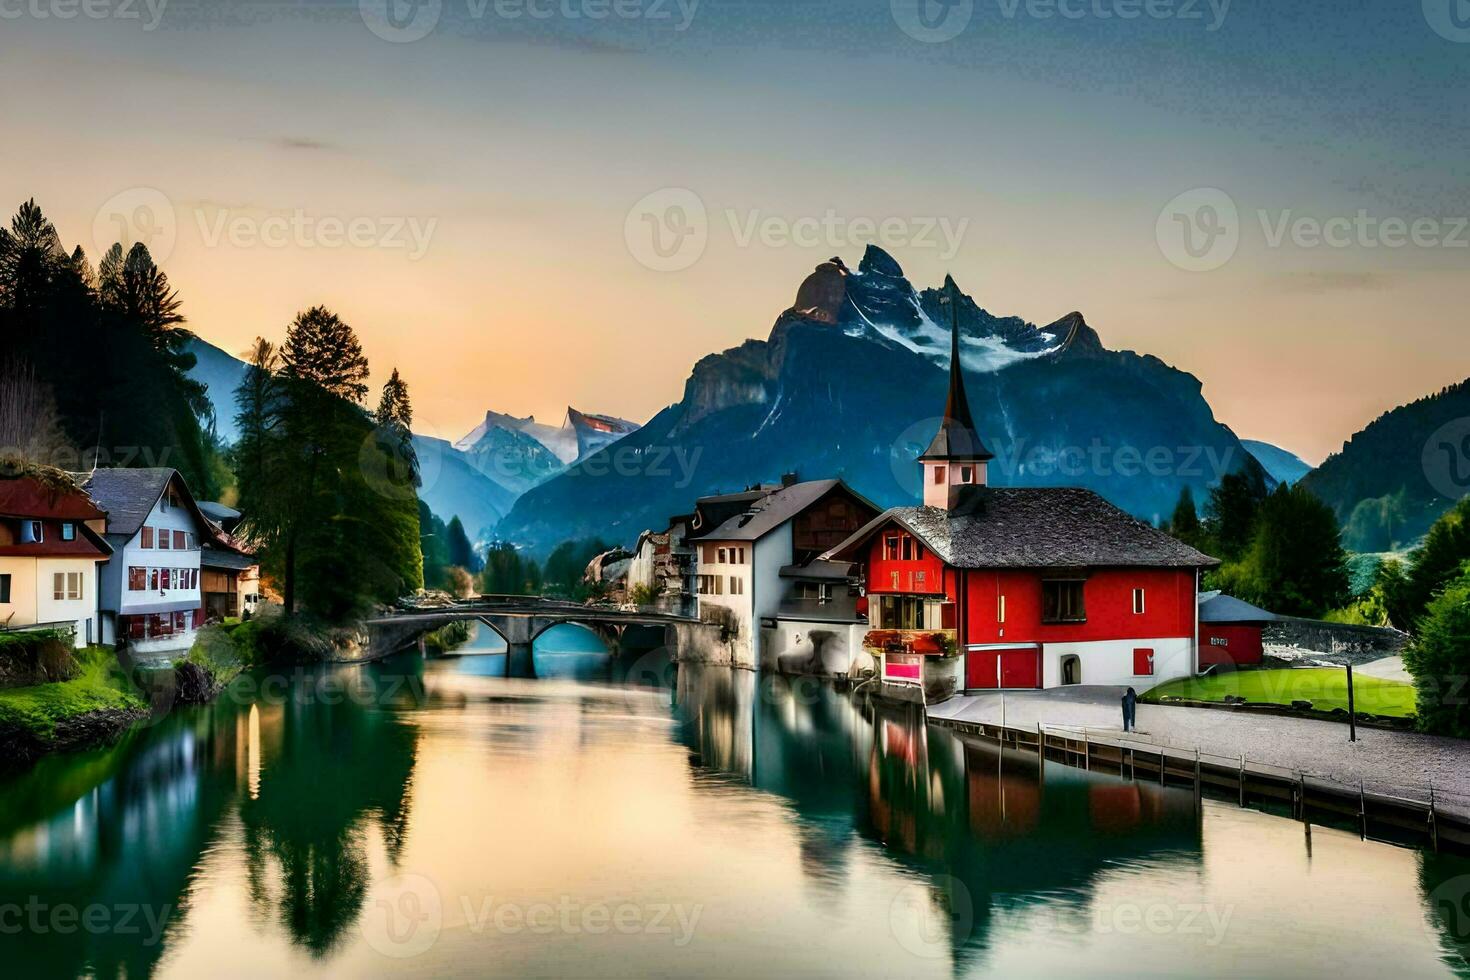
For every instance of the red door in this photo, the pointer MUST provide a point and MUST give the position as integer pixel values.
(986, 670)
(1020, 668)
(1143, 663)
(980, 670)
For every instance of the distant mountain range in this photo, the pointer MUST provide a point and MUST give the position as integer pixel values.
(1282, 465)
(479, 477)
(1394, 479)
(849, 383)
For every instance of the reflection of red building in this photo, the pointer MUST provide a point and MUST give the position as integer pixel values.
(1035, 586)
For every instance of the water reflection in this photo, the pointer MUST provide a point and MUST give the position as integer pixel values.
(816, 835)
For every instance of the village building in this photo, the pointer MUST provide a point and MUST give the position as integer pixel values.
(663, 567)
(229, 578)
(151, 588)
(1231, 631)
(1023, 587)
(750, 552)
(51, 544)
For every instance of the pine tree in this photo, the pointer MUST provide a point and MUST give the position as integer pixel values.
(395, 425)
(1185, 524)
(324, 351)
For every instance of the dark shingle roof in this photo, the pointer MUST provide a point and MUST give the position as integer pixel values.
(1216, 607)
(770, 511)
(1034, 527)
(228, 560)
(128, 495)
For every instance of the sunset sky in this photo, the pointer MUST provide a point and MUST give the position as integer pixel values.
(515, 147)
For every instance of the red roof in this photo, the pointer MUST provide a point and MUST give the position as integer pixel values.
(28, 497)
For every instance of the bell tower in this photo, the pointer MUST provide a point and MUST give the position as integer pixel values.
(956, 459)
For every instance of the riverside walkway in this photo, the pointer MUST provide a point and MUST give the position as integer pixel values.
(1390, 763)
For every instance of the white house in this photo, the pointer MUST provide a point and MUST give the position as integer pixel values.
(150, 589)
(50, 548)
(742, 543)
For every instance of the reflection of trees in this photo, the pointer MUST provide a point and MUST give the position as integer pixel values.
(120, 827)
(1445, 882)
(336, 770)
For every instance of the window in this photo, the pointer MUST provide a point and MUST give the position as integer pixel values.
(153, 579)
(147, 541)
(711, 585)
(164, 538)
(1062, 601)
(1143, 663)
(721, 559)
(31, 532)
(737, 585)
(137, 579)
(66, 585)
(902, 612)
(967, 474)
(1071, 669)
(179, 544)
(1138, 602)
(1000, 609)
(68, 531)
(938, 475)
(4, 589)
(907, 548)
(890, 548)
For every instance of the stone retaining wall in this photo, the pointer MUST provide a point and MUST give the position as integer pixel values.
(1305, 639)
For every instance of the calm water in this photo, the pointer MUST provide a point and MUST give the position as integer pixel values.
(438, 818)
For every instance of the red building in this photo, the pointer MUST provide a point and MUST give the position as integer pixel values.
(1033, 587)
(1231, 631)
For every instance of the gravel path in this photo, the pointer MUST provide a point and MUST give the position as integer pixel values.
(1400, 763)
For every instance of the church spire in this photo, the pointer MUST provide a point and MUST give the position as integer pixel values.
(956, 439)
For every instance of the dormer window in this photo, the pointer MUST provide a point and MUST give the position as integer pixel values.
(31, 532)
(68, 531)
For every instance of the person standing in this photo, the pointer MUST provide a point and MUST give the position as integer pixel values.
(1130, 709)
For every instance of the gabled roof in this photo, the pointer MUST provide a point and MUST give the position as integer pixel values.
(56, 495)
(1216, 607)
(769, 511)
(128, 496)
(1032, 527)
(226, 559)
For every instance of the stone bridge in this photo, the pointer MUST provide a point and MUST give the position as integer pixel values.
(520, 619)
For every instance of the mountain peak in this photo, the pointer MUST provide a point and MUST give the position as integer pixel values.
(821, 294)
(875, 260)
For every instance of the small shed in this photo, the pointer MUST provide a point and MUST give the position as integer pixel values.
(1230, 631)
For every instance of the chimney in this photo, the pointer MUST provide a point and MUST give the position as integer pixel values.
(788, 480)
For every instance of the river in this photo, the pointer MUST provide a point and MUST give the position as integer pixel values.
(435, 817)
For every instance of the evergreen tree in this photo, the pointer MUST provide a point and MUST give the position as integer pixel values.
(461, 552)
(434, 542)
(1439, 660)
(1295, 563)
(1185, 524)
(395, 422)
(1232, 509)
(1431, 567)
(324, 351)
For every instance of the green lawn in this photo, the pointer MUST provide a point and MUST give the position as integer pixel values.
(1325, 687)
(100, 686)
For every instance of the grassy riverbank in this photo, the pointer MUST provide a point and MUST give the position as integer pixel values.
(1325, 687)
(96, 704)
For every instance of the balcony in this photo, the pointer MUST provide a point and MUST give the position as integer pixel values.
(937, 643)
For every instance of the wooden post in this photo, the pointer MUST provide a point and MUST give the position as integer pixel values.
(1362, 812)
(1041, 748)
(1352, 711)
(1198, 788)
(1433, 823)
(1086, 752)
(1242, 779)
(1163, 765)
